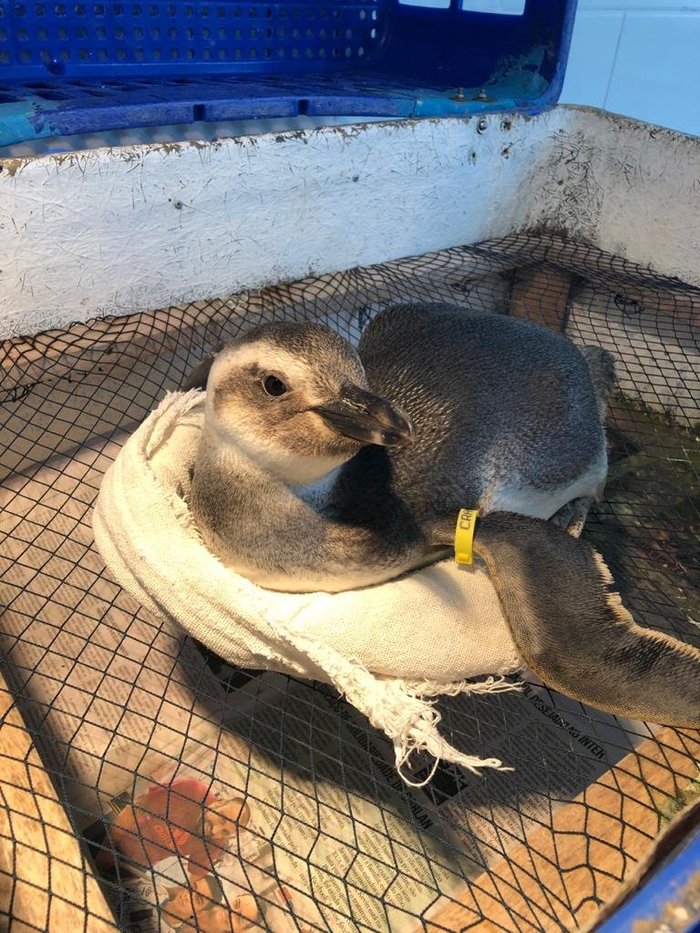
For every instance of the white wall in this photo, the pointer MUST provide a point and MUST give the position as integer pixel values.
(640, 58)
(114, 231)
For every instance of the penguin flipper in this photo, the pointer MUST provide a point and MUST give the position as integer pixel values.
(572, 630)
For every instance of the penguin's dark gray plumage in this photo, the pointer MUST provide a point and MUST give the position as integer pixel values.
(354, 473)
(505, 411)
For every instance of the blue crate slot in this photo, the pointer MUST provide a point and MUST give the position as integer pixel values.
(92, 66)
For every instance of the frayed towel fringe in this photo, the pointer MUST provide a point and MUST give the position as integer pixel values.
(439, 623)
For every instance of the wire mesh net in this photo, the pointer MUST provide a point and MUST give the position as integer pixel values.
(208, 798)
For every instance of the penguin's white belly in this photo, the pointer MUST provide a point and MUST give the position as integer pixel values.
(525, 499)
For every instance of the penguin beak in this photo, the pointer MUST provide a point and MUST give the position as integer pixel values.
(367, 418)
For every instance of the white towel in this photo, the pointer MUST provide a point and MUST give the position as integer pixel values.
(385, 648)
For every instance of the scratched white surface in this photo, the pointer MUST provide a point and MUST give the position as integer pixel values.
(631, 188)
(113, 231)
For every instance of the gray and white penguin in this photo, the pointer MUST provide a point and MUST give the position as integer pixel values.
(321, 468)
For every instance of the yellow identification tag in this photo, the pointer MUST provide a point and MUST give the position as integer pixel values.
(464, 535)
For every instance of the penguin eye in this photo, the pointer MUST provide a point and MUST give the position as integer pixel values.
(274, 386)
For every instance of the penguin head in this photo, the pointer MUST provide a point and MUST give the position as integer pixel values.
(293, 397)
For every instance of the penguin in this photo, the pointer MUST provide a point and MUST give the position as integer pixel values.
(320, 467)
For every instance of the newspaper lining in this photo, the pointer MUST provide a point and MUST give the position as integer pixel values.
(320, 854)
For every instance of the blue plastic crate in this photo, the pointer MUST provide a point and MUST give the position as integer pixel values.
(95, 65)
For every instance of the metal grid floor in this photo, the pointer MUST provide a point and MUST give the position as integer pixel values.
(316, 831)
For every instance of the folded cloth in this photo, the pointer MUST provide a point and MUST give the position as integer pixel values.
(388, 648)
